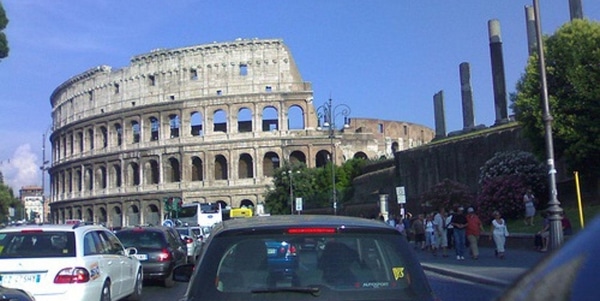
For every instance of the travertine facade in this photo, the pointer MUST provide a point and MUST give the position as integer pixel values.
(207, 123)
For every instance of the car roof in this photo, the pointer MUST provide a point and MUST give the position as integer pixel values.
(283, 221)
(52, 227)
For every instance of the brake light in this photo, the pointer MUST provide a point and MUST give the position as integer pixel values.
(72, 275)
(32, 231)
(138, 229)
(164, 255)
(189, 240)
(311, 230)
(292, 250)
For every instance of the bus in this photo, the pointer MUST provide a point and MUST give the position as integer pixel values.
(201, 214)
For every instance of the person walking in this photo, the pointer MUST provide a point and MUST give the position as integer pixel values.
(441, 236)
(499, 233)
(430, 241)
(450, 229)
(459, 221)
(529, 202)
(418, 228)
(473, 231)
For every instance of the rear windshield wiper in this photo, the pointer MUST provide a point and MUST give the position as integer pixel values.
(315, 291)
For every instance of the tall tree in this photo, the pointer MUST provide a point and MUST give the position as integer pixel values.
(3, 41)
(573, 72)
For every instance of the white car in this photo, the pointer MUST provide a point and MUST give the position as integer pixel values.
(69, 262)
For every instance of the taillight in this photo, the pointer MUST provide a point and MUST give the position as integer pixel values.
(292, 250)
(164, 255)
(189, 240)
(317, 230)
(72, 275)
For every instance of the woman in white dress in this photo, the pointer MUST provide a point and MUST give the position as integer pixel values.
(499, 233)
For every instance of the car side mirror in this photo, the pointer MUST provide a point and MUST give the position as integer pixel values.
(131, 251)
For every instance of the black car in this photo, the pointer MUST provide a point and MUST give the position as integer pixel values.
(159, 249)
(360, 259)
(11, 294)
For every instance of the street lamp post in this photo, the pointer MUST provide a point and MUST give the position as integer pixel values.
(44, 168)
(291, 176)
(329, 114)
(555, 217)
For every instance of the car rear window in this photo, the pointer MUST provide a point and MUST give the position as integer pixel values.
(38, 244)
(142, 239)
(352, 266)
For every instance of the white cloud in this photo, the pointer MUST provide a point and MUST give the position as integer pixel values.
(21, 169)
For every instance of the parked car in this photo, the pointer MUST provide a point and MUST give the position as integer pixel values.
(568, 273)
(361, 260)
(159, 249)
(69, 262)
(11, 294)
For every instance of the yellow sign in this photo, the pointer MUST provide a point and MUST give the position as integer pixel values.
(398, 273)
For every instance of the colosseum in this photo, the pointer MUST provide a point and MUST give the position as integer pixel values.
(206, 123)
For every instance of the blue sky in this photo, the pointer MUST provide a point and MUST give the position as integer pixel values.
(383, 58)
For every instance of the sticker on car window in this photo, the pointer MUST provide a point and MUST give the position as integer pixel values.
(398, 272)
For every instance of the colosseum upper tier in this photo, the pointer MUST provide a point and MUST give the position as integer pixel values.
(207, 123)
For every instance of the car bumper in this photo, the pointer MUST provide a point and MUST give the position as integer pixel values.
(157, 270)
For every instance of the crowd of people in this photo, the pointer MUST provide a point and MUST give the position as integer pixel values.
(459, 229)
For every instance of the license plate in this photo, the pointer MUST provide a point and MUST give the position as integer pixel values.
(141, 256)
(271, 251)
(11, 279)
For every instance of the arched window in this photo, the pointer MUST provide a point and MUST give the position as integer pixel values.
(220, 121)
(197, 169)
(270, 163)
(245, 167)
(220, 168)
(244, 120)
(270, 119)
(196, 124)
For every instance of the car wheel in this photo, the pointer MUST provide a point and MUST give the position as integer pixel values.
(105, 295)
(169, 282)
(137, 289)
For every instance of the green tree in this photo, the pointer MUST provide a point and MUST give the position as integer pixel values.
(3, 41)
(314, 185)
(7, 200)
(572, 57)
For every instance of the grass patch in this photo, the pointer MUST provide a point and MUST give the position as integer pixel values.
(589, 213)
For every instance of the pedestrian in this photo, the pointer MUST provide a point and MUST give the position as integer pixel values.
(400, 227)
(406, 222)
(544, 233)
(430, 241)
(450, 229)
(459, 221)
(473, 231)
(499, 233)
(529, 202)
(566, 224)
(439, 221)
(418, 228)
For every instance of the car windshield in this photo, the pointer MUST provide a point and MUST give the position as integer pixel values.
(142, 239)
(350, 266)
(37, 244)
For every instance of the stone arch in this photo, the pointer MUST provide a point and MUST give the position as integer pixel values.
(196, 124)
(102, 215)
(395, 147)
(100, 178)
(220, 168)
(89, 184)
(297, 157)
(270, 119)
(247, 203)
(115, 176)
(151, 172)
(153, 128)
(133, 174)
(103, 136)
(135, 131)
(118, 134)
(173, 171)
(322, 158)
(271, 162)
(220, 121)
(89, 215)
(245, 166)
(78, 214)
(244, 120)
(174, 125)
(197, 169)
(116, 217)
(133, 215)
(360, 155)
(223, 204)
(152, 215)
(295, 117)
